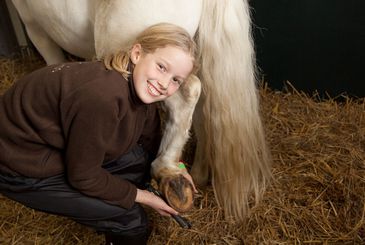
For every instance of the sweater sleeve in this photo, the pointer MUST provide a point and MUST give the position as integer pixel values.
(89, 121)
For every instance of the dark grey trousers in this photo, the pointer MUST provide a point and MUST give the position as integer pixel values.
(54, 195)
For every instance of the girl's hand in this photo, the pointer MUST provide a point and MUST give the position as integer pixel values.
(155, 202)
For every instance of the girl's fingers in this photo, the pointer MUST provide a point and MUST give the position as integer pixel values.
(163, 213)
(162, 207)
(170, 210)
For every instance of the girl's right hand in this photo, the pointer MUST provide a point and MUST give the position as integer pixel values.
(155, 202)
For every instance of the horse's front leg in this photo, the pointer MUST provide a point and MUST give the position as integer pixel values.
(166, 168)
(49, 50)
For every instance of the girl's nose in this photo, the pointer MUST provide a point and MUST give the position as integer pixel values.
(163, 83)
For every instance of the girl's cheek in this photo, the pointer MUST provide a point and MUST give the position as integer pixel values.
(173, 89)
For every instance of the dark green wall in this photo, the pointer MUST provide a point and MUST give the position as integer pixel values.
(314, 44)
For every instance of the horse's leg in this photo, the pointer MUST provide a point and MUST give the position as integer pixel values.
(165, 168)
(49, 50)
(200, 168)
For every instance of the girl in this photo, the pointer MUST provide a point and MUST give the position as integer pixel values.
(77, 139)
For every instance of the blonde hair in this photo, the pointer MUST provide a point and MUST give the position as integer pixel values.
(152, 38)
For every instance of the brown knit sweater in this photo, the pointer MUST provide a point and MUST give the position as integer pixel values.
(71, 118)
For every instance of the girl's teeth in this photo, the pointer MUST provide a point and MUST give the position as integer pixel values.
(152, 90)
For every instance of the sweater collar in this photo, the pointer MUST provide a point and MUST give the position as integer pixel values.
(135, 100)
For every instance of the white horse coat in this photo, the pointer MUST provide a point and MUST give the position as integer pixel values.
(230, 140)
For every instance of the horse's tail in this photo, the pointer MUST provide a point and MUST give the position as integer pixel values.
(235, 148)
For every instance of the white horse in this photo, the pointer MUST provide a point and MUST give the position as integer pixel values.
(231, 148)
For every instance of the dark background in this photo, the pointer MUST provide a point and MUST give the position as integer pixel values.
(316, 45)
(313, 44)
(8, 42)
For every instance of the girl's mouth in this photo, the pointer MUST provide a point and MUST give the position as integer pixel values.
(152, 90)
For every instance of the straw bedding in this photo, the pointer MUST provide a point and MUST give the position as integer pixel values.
(316, 195)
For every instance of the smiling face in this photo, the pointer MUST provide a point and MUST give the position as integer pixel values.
(159, 75)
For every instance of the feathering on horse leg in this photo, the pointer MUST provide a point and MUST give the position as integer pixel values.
(179, 108)
(165, 168)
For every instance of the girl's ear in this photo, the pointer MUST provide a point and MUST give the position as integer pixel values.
(136, 53)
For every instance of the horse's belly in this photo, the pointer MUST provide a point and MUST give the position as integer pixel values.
(125, 19)
(138, 14)
(84, 27)
(69, 23)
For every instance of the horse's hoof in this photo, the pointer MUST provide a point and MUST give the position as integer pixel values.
(178, 193)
